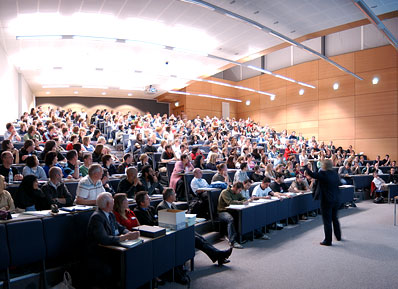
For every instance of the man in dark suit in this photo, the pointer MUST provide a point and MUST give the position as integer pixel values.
(221, 256)
(104, 230)
(145, 213)
(327, 192)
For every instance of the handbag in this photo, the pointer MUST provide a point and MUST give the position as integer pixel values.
(66, 283)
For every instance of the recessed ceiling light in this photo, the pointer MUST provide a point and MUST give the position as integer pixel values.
(292, 31)
(272, 97)
(76, 92)
(248, 102)
(375, 80)
(47, 92)
(336, 86)
(129, 94)
(256, 12)
(176, 103)
(276, 22)
(301, 91)
(103, 93)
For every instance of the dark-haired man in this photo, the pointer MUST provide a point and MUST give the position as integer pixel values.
(231, 196)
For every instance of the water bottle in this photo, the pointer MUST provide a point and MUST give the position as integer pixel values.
(10, 177)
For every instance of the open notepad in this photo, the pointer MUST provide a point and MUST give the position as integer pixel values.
(77, 208)
(131, 243)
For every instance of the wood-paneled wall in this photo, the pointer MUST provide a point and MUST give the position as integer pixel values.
(358, 113)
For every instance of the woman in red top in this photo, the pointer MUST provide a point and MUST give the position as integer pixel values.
(124, 216)
(289, 151)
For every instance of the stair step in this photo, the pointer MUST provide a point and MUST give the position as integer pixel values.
(212, 237)
(204, 227)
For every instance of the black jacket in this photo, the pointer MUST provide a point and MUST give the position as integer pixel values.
(126, 187)
(146, 217)
(328, 182)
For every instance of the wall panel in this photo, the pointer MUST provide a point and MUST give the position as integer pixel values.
(293, 96)
(326, 70)
(304, 72)
(343, 128)
(302, 111)
(280, 98)
(343, 107)
(380, 126)
(276, 115)
(346, 86)
(387, 81)
(376, 103)
(374, 147)
(375, 59)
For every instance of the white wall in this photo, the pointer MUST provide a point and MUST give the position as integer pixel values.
(15, 94)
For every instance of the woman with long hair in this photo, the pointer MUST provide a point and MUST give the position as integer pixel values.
(30, 197)
(124, 216)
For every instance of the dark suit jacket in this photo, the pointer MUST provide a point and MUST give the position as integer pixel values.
(146, 217)
(99, 230)
(163, 206)
(328, 185)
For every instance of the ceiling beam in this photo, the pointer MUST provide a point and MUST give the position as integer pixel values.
(376, 22)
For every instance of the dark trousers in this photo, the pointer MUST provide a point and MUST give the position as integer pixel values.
(180, 190)
(329, 217)
(203, 245)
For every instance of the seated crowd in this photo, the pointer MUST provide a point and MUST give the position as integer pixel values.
(66, 145)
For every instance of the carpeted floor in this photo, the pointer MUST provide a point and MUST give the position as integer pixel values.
(366, 258)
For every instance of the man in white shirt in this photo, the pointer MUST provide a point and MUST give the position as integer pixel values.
(197, 182)
(11, 134)
(90, 186)
(378, 182)
(263, 190)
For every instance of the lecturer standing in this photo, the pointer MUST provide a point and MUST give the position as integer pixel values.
(327, 191)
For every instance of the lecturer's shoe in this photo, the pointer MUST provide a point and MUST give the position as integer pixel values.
(323, 243)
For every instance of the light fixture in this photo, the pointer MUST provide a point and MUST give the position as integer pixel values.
(93, 86)
(203, 95)
(103, 93)
(248, 102)
(375, 80)
(336, 86)
(47, 92)
(272, 97)
(176, 104)
(56, 86)
(301, 91)
(130, 94)
(39, 37)
(76, 92)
